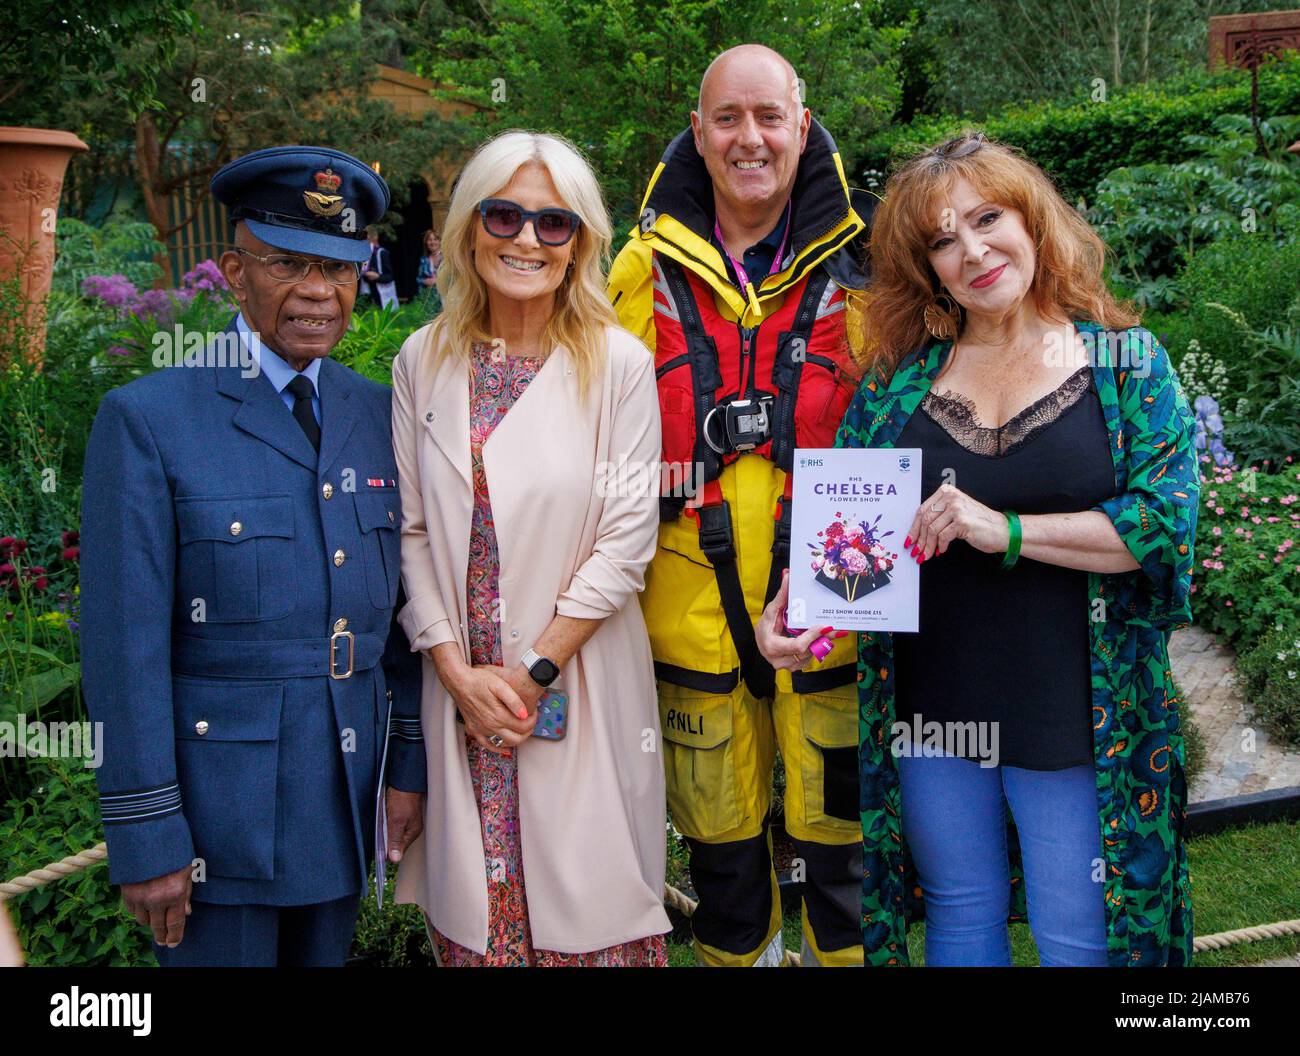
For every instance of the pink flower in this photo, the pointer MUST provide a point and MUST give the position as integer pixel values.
(1219, 531)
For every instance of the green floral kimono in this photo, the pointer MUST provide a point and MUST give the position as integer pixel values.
(1138, 743)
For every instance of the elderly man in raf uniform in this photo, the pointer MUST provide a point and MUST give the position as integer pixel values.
(240, 573)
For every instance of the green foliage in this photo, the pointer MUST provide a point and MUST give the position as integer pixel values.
(1079, 143)
(1265, 426)
(78, 920)
(1156, 216)
(1061, 49)
(375, 336)
(1271, 675)
(1247, 274)
(49, 52)
(392, 937)
(126, 248)
(253, 75)
(1247, 575)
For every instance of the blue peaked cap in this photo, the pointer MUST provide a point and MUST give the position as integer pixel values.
(310, 200)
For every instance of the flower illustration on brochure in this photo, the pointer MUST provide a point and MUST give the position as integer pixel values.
(852, 559)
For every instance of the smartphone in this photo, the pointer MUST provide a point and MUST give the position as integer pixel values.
(552, 715)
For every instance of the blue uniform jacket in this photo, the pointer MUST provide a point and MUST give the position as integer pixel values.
(220, 559)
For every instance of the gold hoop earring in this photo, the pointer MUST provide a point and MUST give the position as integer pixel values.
(942, 317)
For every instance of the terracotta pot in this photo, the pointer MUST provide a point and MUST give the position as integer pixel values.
(32, 164)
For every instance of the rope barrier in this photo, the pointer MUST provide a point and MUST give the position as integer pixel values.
(674, 898)
(74, 863)
(1253, 934)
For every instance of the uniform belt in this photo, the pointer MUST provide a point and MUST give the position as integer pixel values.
(338, 655)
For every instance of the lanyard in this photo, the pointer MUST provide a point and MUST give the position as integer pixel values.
(776, 259)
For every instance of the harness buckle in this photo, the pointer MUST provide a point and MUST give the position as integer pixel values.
(716, 540)
(746, 424)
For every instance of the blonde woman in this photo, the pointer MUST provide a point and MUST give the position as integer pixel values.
(522, 564)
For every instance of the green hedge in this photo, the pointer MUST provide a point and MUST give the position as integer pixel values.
(1080, 144)
(1248, 274)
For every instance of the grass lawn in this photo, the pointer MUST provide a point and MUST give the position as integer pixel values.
(1241, 877)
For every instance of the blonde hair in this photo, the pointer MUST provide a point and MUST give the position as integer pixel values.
(582, 308)
(1070, 256)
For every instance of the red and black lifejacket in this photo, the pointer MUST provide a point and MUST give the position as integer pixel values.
(726, 390)
(794, 369)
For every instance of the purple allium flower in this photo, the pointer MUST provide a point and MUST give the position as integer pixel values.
(205, 276)
(157, 305)
(116, 291)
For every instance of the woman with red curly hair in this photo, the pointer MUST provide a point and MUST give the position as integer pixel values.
(1055, 544)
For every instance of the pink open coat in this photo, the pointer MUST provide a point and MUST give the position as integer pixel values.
(591, 806)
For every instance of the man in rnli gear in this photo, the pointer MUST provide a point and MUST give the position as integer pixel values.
(736, 277)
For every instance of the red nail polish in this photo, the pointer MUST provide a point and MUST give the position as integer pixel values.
(826, 630)
(907, 543)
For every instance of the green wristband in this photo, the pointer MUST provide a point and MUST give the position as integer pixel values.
(1013, 544)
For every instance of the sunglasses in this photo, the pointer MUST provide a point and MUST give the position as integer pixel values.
(505, 219)
(960, 146)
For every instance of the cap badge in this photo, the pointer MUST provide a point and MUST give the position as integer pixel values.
(322, 201)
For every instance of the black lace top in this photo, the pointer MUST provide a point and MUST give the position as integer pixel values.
(1008, 649)
(955, 414)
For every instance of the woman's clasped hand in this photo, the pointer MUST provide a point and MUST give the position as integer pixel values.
(494, 704)
(950, 514)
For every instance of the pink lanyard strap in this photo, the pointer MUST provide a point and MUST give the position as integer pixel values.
(776, 260)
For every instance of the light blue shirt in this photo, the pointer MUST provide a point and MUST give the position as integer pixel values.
(278, 372)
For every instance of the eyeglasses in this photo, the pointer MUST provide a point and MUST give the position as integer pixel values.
(960, 146)
(285, 268)
(505, 219)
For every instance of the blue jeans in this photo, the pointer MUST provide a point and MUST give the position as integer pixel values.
(954, 820)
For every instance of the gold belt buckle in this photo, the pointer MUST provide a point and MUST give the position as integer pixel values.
(352, 647)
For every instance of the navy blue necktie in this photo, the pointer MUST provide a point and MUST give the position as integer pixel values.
(302, 390)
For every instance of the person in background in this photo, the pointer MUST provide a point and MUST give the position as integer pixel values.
(1055, 543)
(522, 558)
(427, 276)
(378, 273)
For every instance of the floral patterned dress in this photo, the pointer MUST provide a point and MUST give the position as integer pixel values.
(497, 381)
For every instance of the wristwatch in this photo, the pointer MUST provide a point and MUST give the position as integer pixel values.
(544, 672)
